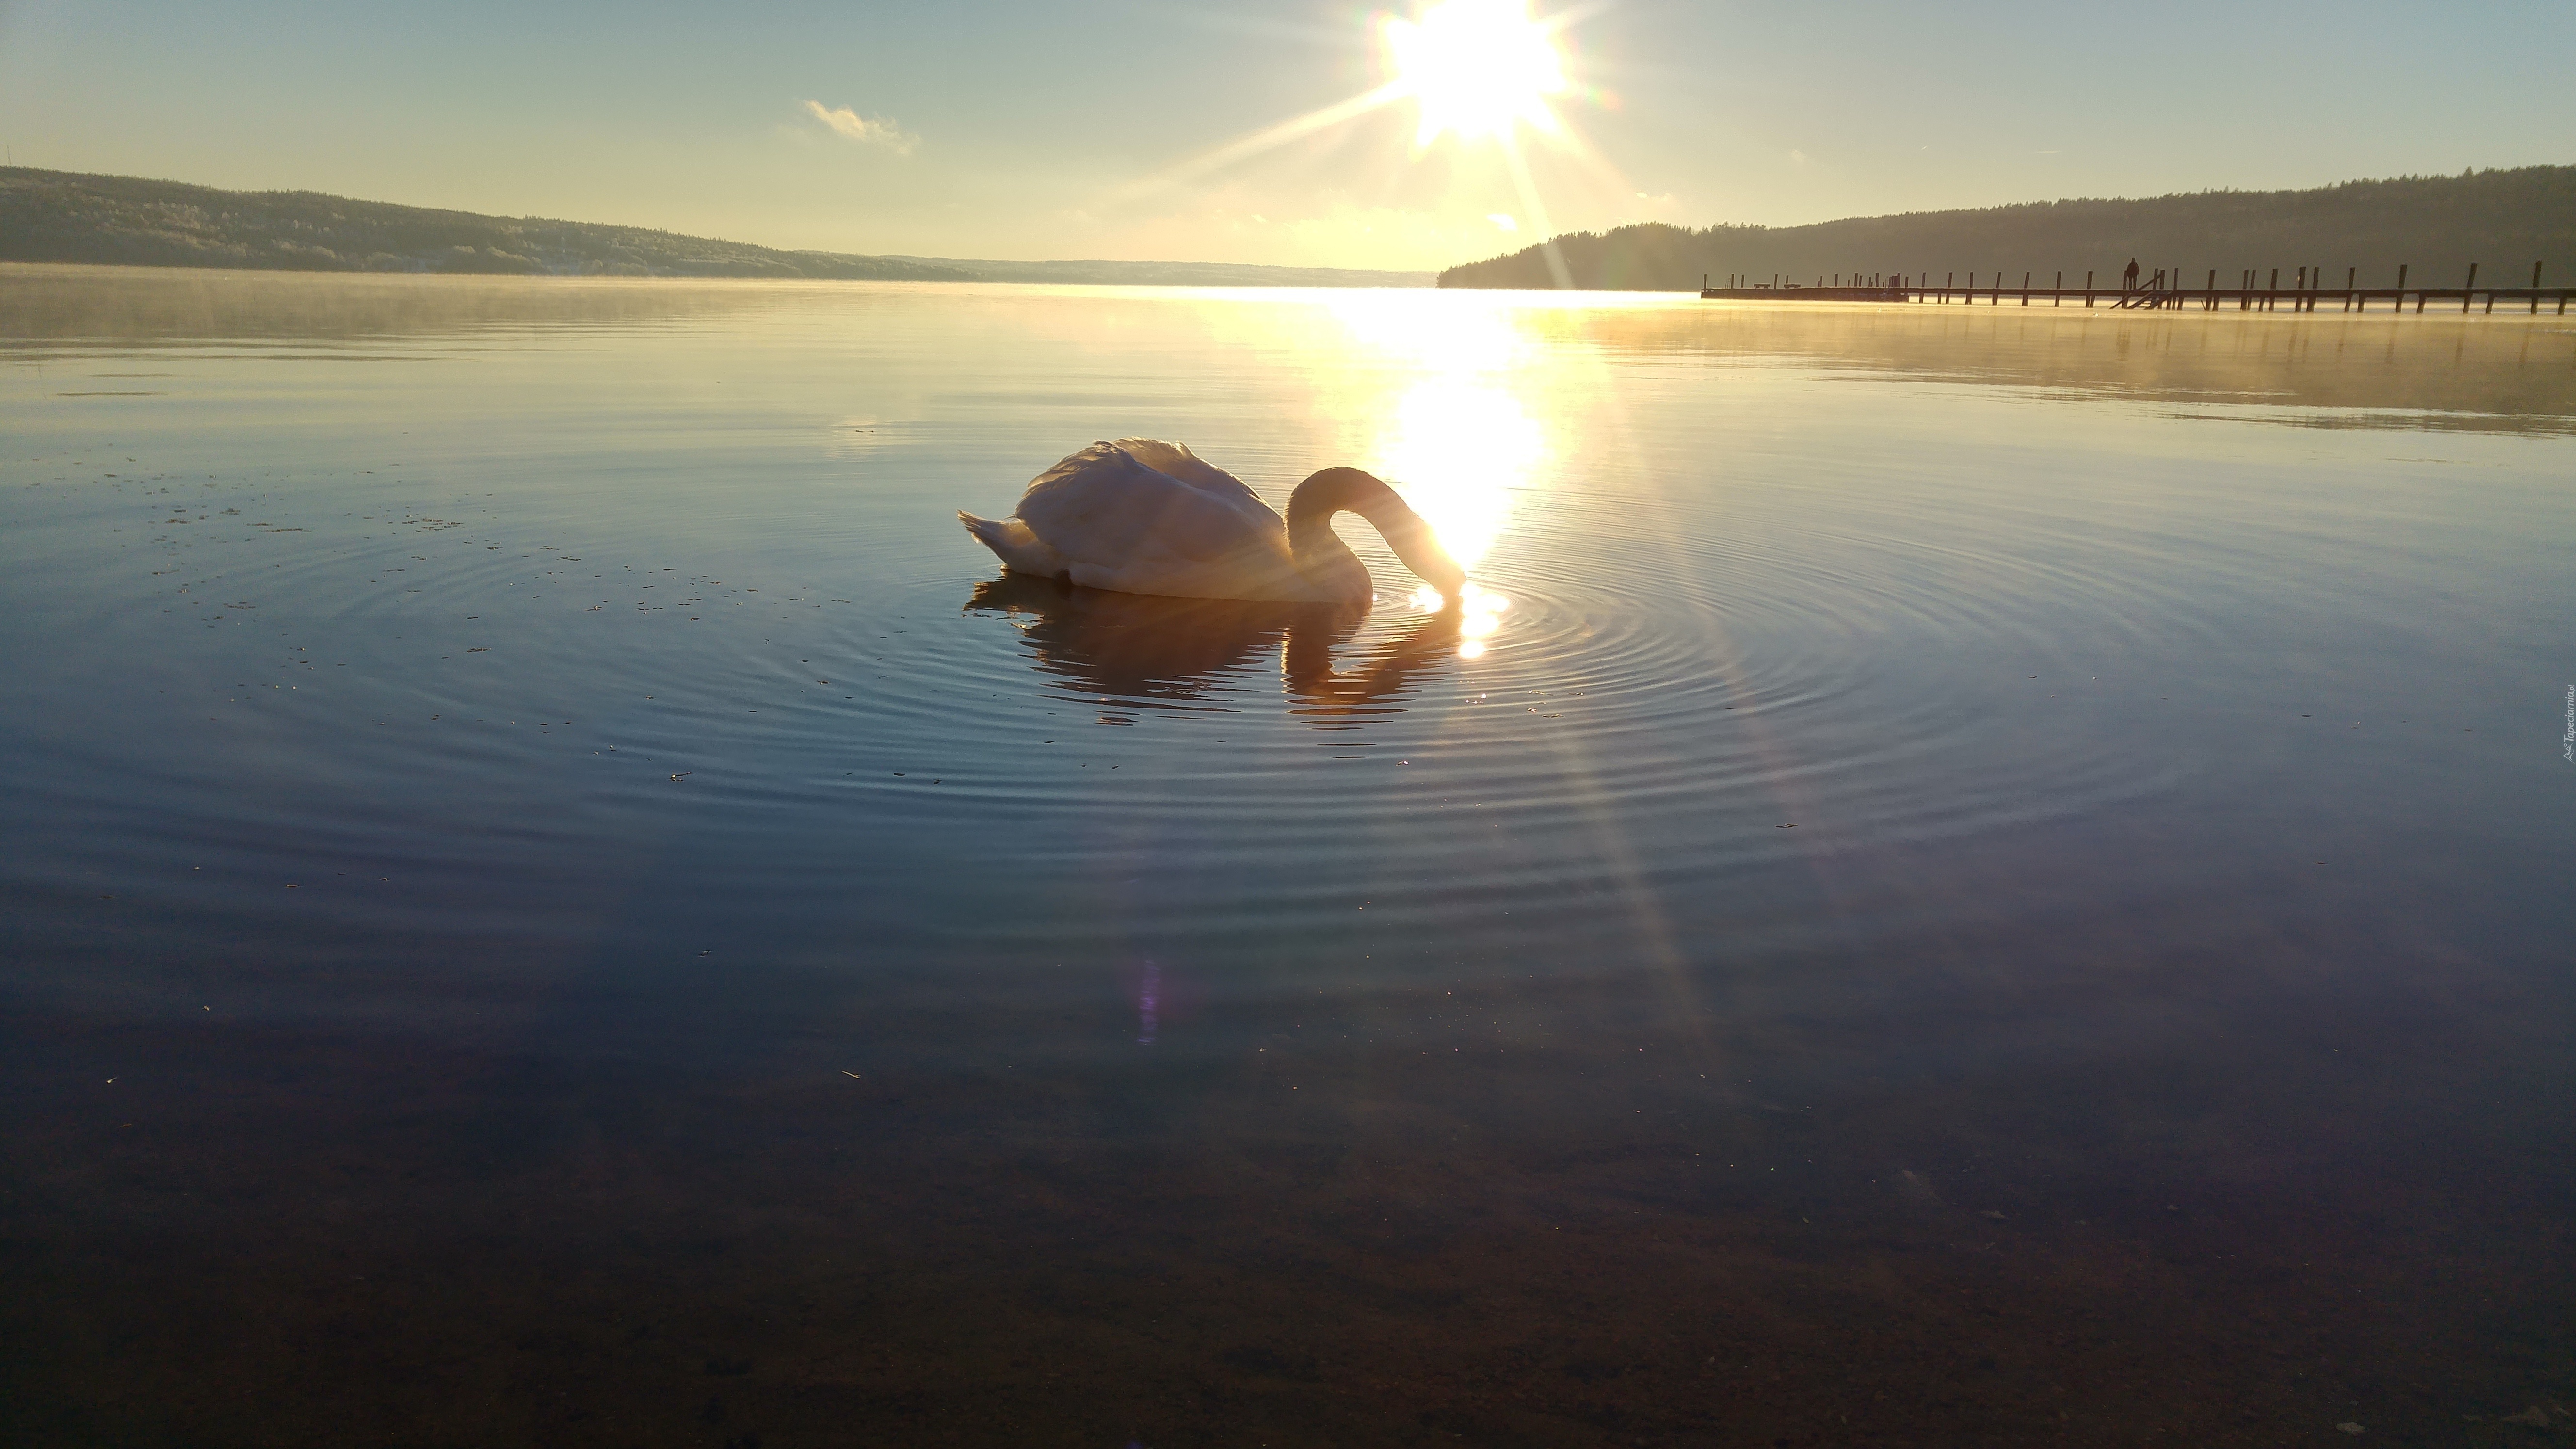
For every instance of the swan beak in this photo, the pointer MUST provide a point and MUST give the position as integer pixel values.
(1419, 548)
(1435, 565)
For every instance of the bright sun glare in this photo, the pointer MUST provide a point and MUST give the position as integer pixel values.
(1476, 67)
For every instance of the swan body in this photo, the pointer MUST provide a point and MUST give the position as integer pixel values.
(1145, 517)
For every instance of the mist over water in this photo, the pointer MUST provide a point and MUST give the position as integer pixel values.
(1964, 867)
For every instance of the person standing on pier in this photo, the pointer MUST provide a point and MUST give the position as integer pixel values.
(2129, 278)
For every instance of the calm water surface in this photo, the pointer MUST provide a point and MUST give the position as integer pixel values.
(1968, 875)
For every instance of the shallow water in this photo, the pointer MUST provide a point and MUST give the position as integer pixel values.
(1969, 873)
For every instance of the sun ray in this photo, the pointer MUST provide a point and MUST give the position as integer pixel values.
(1265, 139)
(1477, 71)
(1557, 271)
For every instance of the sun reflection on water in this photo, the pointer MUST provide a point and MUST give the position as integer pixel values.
(1480, 614)
(1454, 433)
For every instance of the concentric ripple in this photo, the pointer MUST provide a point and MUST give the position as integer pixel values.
(559, 652)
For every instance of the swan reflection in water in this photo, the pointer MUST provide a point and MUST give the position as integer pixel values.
(1143, 651)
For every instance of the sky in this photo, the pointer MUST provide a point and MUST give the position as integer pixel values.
(1002, 129)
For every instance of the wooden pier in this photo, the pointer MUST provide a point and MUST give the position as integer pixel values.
(2159, 293)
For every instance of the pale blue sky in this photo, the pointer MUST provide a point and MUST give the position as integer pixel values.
(1022, 130)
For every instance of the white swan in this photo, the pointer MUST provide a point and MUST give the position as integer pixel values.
(1147, 517)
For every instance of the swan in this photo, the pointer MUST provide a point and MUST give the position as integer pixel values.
(1140, 516)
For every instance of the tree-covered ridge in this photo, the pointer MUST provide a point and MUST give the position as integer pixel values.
(61, 216)
(58, 216)
(2437, 225)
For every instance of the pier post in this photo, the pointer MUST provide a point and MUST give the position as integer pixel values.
(2025, 289)
(2212, 304)
(2088, 289)
(2535, 289)
(2057, 293)
(1946, 282)
(2272, 293)
(2466, 289)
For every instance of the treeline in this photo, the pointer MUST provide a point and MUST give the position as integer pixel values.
(61, 216)
(2505, 220)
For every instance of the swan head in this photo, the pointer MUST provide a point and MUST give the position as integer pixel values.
(1335, 490)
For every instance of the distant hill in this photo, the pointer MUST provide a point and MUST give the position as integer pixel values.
(62, 216)
(2504, 220)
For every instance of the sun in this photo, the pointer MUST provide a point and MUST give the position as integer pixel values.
(1477, 68)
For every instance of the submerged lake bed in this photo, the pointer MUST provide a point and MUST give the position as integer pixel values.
(1966, 874)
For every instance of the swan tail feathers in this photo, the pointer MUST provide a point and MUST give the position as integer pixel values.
(1014, 543)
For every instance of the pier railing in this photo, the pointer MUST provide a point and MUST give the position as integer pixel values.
(2159, 292)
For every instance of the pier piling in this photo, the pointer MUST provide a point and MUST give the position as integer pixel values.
(2162, 290)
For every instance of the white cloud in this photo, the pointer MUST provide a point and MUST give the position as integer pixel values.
(866, 130)
(1798, 158)
(1502, 221)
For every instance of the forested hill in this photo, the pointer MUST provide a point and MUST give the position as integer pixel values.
(61, 216)
(2503, 220)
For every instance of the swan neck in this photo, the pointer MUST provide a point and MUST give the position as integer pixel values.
(1334, 490)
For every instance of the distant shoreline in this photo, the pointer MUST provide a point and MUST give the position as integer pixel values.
(2435, 227)
(14, 267)
(93, 220)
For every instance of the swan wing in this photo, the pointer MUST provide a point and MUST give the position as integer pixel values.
(1111, 506)
(1175, 460)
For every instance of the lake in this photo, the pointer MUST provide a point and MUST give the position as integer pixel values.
(1965, 874)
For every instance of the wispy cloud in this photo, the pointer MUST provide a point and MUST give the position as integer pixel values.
(1503, 221)
(866, 130)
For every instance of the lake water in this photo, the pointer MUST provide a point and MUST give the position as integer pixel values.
(1969, 874)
